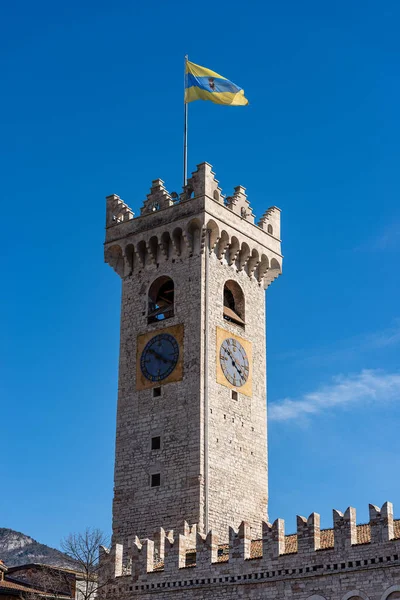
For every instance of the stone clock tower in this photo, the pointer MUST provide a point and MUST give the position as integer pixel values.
(191, 425)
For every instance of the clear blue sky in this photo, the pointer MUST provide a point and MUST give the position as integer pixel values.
(91, 104)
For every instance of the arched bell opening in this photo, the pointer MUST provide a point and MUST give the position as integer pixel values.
(161, 300)
(234, 304)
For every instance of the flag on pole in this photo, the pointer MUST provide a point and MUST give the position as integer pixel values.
(204, 84)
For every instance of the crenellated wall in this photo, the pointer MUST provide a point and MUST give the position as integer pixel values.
(170, 228)
(332, 563)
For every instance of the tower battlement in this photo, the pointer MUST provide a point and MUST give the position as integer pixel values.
(171, 226)
(190, 559)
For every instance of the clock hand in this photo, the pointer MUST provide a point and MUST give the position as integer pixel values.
(234, 364)
(156, 354)
(160, 356)
(239, 370)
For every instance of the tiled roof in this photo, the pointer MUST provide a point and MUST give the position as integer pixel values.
(47, 566)
(327, 541)
(12, 585)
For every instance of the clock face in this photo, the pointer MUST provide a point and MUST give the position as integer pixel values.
(234, 362)
(159, 357)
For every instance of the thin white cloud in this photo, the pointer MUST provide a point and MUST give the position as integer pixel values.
(388, 239)
(346, 348)
(343, 391)
(387, 337)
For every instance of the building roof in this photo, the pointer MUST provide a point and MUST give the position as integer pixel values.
(327, 541)
(44, 565)
(14, 588)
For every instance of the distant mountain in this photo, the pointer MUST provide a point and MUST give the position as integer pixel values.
(19, 549)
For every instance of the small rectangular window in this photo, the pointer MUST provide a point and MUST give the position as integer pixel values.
(156, 392)
(234, 395)
(156, 443)
(156, 480)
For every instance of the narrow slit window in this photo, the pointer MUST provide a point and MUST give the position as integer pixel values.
(155, 480)
(156, 442)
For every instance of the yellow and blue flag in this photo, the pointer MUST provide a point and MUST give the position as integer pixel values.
(204, 84)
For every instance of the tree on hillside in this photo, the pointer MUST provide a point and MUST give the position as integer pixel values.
(83, 549)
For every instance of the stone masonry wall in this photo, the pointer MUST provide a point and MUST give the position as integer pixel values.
(170, 239)
(175, 416)
(238, 428)
(347, 562)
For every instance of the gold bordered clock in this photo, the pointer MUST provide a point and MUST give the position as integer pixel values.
(159, 357)
(234, 361)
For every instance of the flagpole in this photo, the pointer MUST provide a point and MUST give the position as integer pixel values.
(185, 126)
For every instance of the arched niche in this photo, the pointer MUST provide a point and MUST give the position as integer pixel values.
(166, 244)
(115, 259)
(355, 595)
(213, 234)
(392, 593)
(153, 248)
(223, 244)
(141, 251)
(275, 264)
(161, 300)
(234, 303)
(177, 240)
(252, 263)
(194, 235)
(234, 249)
(243, 255)
(262, 267)
(130, 257)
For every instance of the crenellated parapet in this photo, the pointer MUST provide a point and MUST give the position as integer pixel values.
(117, 211)
(202, 183)
(158, 198)
(271, 221)
(171, 227)
(239, 204)
(189, 556)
